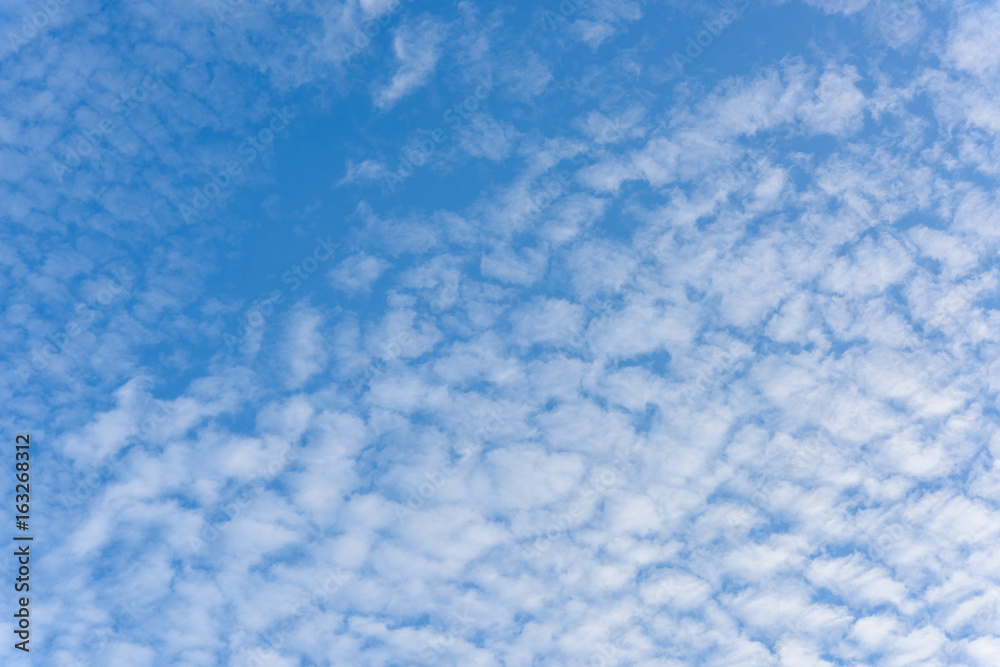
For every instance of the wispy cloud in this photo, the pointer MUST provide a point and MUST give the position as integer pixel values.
(417, 50)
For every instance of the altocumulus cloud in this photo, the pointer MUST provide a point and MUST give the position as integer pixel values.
(659, 355)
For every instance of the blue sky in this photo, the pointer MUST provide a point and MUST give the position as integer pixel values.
(592, 333)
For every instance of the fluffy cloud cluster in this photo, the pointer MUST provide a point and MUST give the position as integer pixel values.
(638, 369)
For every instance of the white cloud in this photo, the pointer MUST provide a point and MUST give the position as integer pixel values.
(840, 6)
(485, 137)
(417, 49)
(366, 170)
(358, 272)
(837, 106)
(971, 39)
(522, 268)
(304, 351)
(736, 407)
